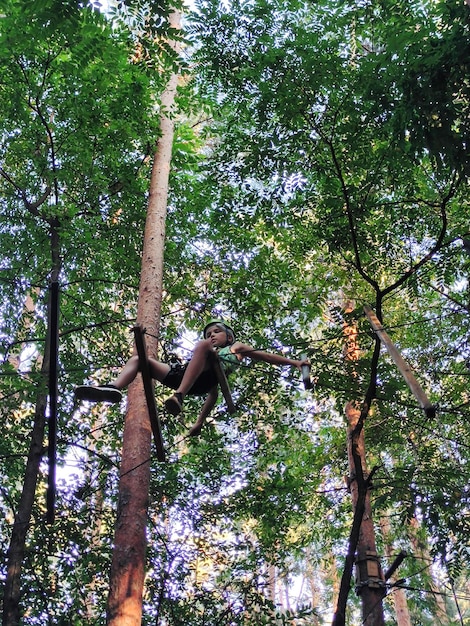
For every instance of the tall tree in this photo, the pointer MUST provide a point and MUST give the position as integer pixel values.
(16, 551)
(362, 549)
(52, 91)
(129, 556)
(331, 155)
(364, 165)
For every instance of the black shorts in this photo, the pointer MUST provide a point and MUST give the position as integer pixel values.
(203, 384)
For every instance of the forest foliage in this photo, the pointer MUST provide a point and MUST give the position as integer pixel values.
(320, 164)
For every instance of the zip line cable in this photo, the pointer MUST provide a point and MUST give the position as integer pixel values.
(401, 585)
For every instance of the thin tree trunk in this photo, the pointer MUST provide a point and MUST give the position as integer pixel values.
(271, 589)
(313, 585)
(362, 548)
(369, 579)
(128, 564)
(16, 550)
(96, 504)
(398, 595)
(421, 551)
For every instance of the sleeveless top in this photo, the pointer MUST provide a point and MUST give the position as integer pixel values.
(228, 360)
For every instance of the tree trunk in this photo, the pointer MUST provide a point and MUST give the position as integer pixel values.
(398, 595)
(16, 550)
(314, 578)
(271, 587)
(96, 504)
(369, 578)
(362, 548)
(421, 552)
(128, 563)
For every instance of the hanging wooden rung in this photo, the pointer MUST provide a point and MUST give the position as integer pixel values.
(144, 368)
(402, 365)
(223, 382)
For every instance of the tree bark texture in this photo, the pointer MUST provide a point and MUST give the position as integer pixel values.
(398, 595)
(362, 548)
(369, 578)
(128, 563)
(421, 551)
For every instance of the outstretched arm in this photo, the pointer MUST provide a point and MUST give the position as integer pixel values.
(243, 350)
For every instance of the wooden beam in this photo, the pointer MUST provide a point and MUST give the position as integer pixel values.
(402, 365)
(306, 374)
(223, 382)
(144, 368)
(52, 421)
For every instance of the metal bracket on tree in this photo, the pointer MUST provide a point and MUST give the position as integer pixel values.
(144, 368)
(369, 572)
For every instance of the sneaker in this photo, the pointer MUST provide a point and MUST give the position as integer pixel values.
(105, 393)
(174, 405)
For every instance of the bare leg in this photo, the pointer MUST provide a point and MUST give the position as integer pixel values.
(127, 374)
(112, 391)
(205, 411)
(197, 365)
(158, 371)
(195, 430)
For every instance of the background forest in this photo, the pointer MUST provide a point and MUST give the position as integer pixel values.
(319, 166)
